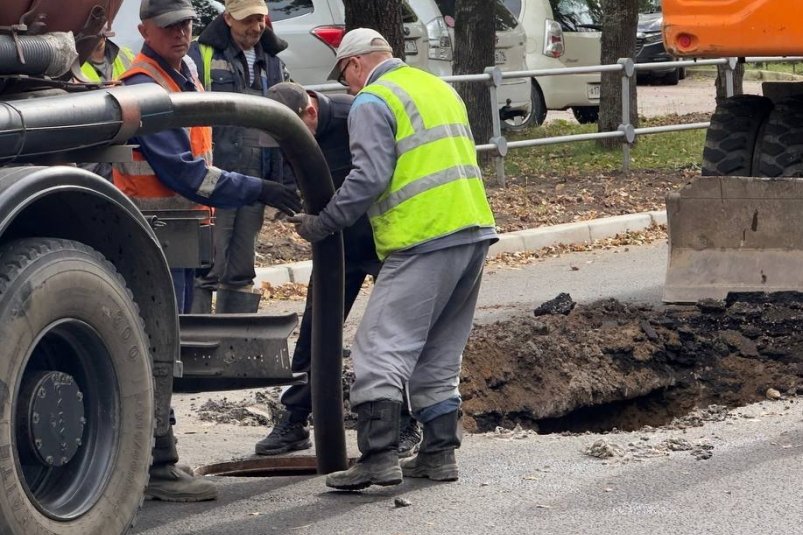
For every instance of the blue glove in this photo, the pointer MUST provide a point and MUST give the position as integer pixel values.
(309, 227)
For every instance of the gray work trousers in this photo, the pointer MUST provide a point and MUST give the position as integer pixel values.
(416, 325)
(234, 242)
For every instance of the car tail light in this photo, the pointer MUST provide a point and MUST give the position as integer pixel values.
(440, 42)
(331, 35)
(553, 39)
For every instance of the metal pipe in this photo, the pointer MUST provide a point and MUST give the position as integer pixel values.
(31, 129)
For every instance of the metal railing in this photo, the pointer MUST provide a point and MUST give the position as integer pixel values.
(626, 131)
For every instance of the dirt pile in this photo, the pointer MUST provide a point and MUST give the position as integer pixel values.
(612, 365)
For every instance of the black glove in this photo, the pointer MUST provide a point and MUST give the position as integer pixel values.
(309, 227)
(281, 197)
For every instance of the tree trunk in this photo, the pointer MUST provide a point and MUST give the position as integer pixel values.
(619, 23)
(738, 81)
(384, 17)
(473, 52)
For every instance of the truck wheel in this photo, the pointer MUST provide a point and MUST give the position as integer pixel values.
(781, 144)
(586, 114)
(730, 143)
(76, 392)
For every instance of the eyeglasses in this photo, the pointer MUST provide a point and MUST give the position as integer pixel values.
(342, 78)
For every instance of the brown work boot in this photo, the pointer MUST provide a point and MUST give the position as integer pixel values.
(378, 440)
(169, 483)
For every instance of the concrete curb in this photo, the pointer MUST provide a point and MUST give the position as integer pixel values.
(510, 242)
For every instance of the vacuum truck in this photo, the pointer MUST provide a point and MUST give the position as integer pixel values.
(91, 346)
(739, 226)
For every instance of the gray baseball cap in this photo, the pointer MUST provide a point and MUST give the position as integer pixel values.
(166, 12)
(357, 42)
(291, 95)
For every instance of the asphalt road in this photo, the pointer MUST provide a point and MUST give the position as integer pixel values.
(526, 483)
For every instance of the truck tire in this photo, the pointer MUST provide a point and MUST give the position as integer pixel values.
(779, 153)
(76, 392)
(732, 138)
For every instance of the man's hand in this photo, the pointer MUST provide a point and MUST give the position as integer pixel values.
(281, 197)
(309, 227)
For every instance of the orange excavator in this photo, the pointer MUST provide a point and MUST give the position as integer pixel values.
(739, 227)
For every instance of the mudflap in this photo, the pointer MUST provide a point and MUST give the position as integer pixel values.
(234, 351)
(729, 234)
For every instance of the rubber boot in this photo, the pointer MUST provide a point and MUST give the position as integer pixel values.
(170, 482)
(237, 302)
(378, 440)
(201, 301)
(435, 459)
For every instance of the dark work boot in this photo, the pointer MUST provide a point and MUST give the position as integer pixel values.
(285, 436)
(435, 459)
(237, 302)
(201, 301)
(378, 440)
(409, 436)
(169, 482)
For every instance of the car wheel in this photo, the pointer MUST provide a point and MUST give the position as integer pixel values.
(682, 73)
(535, 117)
(734, 134)
(586, 114)
(76, 405)
(672, 77)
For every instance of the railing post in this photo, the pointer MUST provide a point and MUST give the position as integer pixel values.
(628, 71)
(498, 140)
(730, 66)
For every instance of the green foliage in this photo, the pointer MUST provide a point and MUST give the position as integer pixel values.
(675, 150)
(649, 6)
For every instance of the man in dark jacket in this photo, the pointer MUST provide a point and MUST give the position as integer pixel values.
(237, 53)
(327, 119)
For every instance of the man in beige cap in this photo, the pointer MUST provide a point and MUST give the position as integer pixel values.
(416, 176)
(237, 52)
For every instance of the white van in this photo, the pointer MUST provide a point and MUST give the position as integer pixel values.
(313, 30)
(562, 33)
(513, 97)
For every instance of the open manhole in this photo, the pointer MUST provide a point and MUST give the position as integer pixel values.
(296, 465)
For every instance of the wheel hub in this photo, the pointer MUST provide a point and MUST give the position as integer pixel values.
(55, 418)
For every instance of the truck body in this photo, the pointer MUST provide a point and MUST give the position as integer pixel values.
(738, 228)
(92, 346)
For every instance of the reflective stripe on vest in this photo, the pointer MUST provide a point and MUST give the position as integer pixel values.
(119, 66)
(137, 179)
(437, 187)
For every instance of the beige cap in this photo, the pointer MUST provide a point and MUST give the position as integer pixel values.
(357, 42)
(240, 9)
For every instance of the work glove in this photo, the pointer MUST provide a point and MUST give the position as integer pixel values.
(309, 227)
(281, 197)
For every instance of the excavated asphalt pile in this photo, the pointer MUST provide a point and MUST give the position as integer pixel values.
(610, 365)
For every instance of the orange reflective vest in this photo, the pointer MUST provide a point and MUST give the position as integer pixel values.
(137, 179)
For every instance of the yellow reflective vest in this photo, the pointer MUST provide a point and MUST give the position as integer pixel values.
(121, 64)
(436, 188)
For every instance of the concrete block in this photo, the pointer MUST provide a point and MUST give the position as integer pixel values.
(300, 271)
(275, 275)
(658, 217)
(611, 226)
(566, 233)
(511, 242)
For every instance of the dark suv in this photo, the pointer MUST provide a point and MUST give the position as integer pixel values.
(650, 45)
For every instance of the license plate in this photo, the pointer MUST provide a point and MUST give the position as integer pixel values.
(499, 57)
(410, 47)
(593, 91)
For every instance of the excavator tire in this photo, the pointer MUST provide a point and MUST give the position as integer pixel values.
(780, 151)
(732, 138)
(76, 392)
